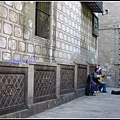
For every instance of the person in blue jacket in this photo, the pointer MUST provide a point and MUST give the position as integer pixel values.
(101, 84)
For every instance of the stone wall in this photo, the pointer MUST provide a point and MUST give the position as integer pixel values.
(74, 40)
(72, 49)
(108, 43)
(71, 37)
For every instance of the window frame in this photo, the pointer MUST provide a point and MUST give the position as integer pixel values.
(36, 21)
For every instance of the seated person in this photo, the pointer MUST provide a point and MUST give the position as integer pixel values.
(91, 86)
(101, 84)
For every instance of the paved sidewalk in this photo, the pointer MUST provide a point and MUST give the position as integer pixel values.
(103, 105)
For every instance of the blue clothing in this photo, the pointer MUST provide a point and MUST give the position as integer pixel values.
(102, 84)
(91, 83)
(100, 71)
(93, 86)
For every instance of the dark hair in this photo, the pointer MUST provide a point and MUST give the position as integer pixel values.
(96, 69)
(99, 65)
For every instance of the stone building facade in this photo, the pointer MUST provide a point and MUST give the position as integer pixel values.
(108, 43)
(61, 63)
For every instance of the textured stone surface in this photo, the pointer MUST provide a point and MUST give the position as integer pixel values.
(18, 32)
(13, 16)
(3, 12)
(86, 107)
(70, 40)
(3, 42)
(38, 49)
(22, 46)
(9, 3)
(6, 56)
(42, 106)
(108, 43)
(30, 48)
(7, 28)
(71, 32)
(16, 56)
(12, 44)
(18, 5)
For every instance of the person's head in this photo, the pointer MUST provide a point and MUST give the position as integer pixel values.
(96, 69)
(98, 66)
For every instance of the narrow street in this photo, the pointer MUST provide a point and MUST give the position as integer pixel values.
(47, 51)
(103, 105)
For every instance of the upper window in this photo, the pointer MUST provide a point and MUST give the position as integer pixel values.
(42, 25)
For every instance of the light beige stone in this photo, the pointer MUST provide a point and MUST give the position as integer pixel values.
(7, 56)
(63, 45)
(0, 25)
(60, 54)
(18, 32)
(13, 16)
(3, 12)
(18, 5)
(3, 42)
(17, 56)
(30, 23)
(30, 83)
(10, 3)
(38, 49)
(21, 19)
(58, 44)
(44, 51)
(22, 46)
(30, 48)
(27, 35)
(39, 60)
(55, 53)
(25, 57)
(67, 47)
(12, 44)
(7, 28)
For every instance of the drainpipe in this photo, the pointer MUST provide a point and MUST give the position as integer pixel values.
(51, 31)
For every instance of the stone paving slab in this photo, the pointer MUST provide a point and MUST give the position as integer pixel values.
(103, 105)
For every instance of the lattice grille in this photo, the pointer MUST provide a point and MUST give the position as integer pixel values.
(82, 77)
(92, 69)
(44, 84)
(67, 80)
(11, 90)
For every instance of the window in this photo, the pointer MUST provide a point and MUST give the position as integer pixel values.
(42, 25)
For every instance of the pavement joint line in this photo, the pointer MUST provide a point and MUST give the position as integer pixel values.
(112, 98)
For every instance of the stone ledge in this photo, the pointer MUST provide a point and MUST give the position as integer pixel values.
(42, 106)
